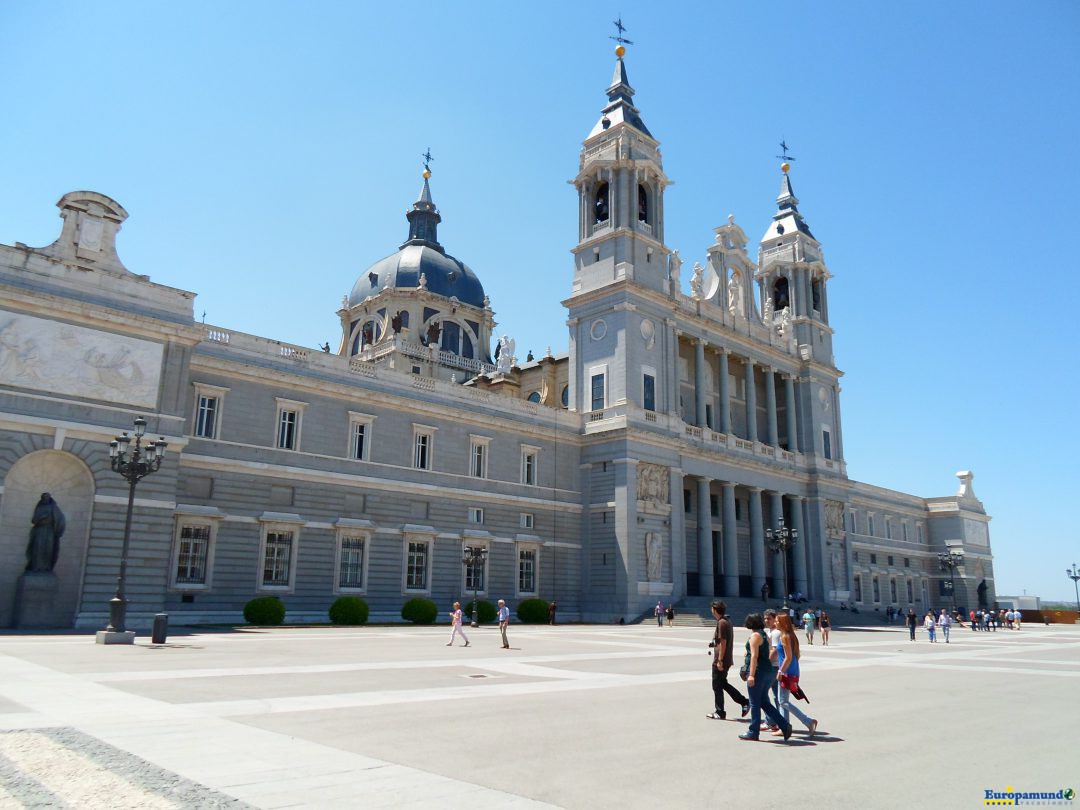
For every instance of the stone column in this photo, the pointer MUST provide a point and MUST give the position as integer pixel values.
(678, 533)
(776, 513)
(770, 406)
(798, 553)
(757, 541)
(704, 540)
(751, 402)
(699, 381)
(792, 422)
(731, 541)
(671, 373)
(725, 395)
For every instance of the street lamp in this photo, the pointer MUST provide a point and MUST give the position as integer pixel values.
(1074, 574)
(134, 464)
(475, 562)
(950, 561)
(781, 539)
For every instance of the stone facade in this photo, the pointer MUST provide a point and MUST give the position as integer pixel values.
(645, 463)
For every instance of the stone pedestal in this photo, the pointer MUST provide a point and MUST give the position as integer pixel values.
(114, 637)
(36, 603)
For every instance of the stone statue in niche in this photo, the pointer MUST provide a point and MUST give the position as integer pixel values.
(395, 323)
(654, 556)
(784, 322)
(836, 568)
(653, 483)
(734, 292)
(697, 281)
(674, 270)
(47, 527)
(767, 314)
(834, 518)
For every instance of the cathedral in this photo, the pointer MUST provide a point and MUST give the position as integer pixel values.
(686, 445)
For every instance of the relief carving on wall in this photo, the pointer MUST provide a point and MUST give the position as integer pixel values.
(834, 518)
(654, 556)
(653, 481)
(75, 361)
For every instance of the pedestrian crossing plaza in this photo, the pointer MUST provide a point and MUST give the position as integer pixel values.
(575, 716)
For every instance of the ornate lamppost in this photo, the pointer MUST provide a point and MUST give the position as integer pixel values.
(475, 556)
(950, 561)
(781, 539)
(1074, 574)
(133, 463)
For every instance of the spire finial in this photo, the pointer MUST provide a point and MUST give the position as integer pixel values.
(427, 163)
(786, 165)
(619, 38)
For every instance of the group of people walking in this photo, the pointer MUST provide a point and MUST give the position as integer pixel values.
(457, 627)
(770, 667)
(942, 623)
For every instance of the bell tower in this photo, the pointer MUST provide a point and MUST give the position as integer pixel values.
(620, 186)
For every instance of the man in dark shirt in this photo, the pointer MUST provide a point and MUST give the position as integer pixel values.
(722, 659)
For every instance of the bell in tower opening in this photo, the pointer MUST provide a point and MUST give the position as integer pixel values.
(642, 204)
(780, 293)
(602, 212)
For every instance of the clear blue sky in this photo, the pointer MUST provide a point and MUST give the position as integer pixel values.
(267, 152)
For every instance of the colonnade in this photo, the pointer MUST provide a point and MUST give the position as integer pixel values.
(724, 421)
(764, 563)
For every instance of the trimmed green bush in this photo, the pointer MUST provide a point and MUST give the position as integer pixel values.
(487, 612)
(419, 610)
(532, 611)
(349, 610)
(264, 610)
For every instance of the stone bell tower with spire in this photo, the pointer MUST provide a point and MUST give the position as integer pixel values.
(620, 186)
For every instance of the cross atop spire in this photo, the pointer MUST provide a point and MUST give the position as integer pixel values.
(427, 159)
(621, 29)
(785, 156)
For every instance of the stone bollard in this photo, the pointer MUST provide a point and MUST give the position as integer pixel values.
(161, 628)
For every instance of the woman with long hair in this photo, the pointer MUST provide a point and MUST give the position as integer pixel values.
(826, 626)
(759, 678)
(788, 653)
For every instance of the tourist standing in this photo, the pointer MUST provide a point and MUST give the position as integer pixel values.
(551, 612)
(911, 622)
(455, 626)
(1017, 618)
(928, 623)
(765, 592)
(945, 623)
(808, 625)
(974, 621)
(826, 626)
(722, 644)
(504, 622)
(788, 675)
(670, 615)
(760, 676)
(658, 612)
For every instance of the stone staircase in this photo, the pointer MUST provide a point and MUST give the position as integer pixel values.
(695, 611)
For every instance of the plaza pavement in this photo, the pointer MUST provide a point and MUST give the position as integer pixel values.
(572, 716)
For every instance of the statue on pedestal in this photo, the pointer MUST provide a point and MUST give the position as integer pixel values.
(47, 527)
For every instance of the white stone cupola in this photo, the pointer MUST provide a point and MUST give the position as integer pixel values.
(620, 186)
(792, 274)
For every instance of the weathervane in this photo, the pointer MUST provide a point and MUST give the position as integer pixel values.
(427, 159)
(621, 29)
(785, 157)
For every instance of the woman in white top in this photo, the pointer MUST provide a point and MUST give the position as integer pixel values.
(928, 623)
(455, 625)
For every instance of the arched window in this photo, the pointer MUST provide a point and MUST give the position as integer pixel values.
(602, 211)
(780, 294)
(642, 204)
(467, 347)
(535, 397)
(367, 335)
(566, 396)
(451, 337)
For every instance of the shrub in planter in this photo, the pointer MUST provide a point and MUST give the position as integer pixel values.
(532, 611)
(419, 610)
(349, 610)
(264, 610)
(487, 612)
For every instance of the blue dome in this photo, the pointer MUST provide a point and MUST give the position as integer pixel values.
(445, 275)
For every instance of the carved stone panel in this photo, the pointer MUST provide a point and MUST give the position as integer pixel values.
(653, 482)
(75, 361)
(654, 556)
(834, 518)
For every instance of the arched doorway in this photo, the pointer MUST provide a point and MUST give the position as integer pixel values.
(71, 484)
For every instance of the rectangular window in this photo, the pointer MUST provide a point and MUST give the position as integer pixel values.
(920, 533)
(892, 589)
(873, 559)
(416, 565)
(597, 392)
(351, 563)
(888, 528)
(890, 559)
(529, 457)
(826, 443)
(907, 562)
(855, 556)
(359, 440)
(206, 417)
(649, 392)
(714, 505)
(851, 522)
(738, 509)
(686, 500)
(288, 421)
(877, 590)
(910, 592)
(422, 450)
(526, 570)
(478, 458)
(476, 515)
(903, 530)
(474, 572)
(708, 416)
(858, 588)
(527, 521)
(870, 525)
(277, 559)
(191, 559)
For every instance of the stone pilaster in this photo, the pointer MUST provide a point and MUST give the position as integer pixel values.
(757, 541)
(731, 541)
(705, 548)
